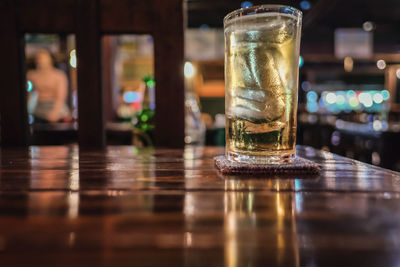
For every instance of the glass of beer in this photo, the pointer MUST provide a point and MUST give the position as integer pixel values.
(262, 46)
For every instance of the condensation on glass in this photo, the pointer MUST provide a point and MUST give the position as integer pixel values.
(261, 79)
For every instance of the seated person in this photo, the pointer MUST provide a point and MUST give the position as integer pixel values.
(51, 86)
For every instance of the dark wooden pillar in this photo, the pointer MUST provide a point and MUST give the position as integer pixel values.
(13, 106)
(90, 94)
(169, 46)
(108, 73)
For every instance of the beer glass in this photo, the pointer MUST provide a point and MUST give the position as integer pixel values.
(261, 81)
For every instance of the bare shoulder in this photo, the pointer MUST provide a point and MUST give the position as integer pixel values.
(61, 75)
(31, 74)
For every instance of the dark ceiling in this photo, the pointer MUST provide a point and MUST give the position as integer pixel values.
(319, 21)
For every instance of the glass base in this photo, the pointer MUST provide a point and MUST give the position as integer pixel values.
(273, 159)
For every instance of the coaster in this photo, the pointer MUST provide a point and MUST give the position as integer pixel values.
(297, 166)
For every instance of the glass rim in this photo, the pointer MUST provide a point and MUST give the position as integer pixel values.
(244, 12)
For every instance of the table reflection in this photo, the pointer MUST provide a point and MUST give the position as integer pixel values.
(248, 212)
(170, 206)
(254, 226)
(267, 184)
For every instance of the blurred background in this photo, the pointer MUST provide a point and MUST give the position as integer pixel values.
(348, 89)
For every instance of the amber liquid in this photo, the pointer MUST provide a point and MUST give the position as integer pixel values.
(261, 73)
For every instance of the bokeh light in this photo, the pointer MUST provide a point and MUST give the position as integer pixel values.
(29, 86)
(189, 70)
(353, 101)
(381, 64)
(378, 98)
(365, 99)
(331, 98)
(72, 58)
(340, 100)
(301, 61)
(305, 5)
(246, 4)
(131, 97)
(368, 26)
(377, 125)
(312, 96)
(385, 94)
(306, 86)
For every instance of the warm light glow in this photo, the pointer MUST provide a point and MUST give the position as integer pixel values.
(381, 64)
(353, 101)
(73, 205)
(188, 239)
(189, 70)
(188, 139)
(72, 58)
(398, 73)
(348, 64)
(331, 98)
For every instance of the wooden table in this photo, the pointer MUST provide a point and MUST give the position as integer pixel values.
(130, 207)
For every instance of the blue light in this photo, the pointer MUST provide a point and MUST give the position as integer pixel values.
(29, 86)
(301, 61)
(305, 5)
(340, 100)
(31, 119)
(321, 103)
(204, 27)
(246, 4)
(312, 96)
(384, 125)
(130, 97)
(350, 93)
(312, 107)
(306, 86)
(385, 94)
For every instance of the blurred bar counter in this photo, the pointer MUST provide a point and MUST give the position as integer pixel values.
(366, 142)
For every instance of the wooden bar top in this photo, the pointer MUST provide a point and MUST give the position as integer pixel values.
(157, 207)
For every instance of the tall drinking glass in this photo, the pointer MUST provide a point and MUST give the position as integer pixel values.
(261, 79)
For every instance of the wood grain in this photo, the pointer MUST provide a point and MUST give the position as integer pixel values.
(126, 207)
